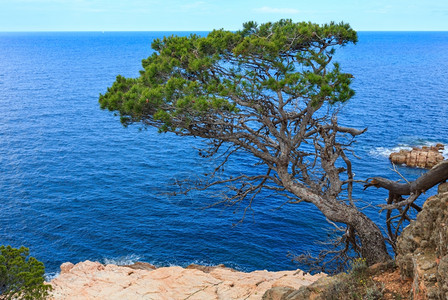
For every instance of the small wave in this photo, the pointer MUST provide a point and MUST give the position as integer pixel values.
(445, 152)
(50, 276)
(385, 152)
(122, 260)
(228, 264)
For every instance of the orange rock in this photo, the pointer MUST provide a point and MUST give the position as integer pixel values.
(92, 280)
(141, 266)
(66, 267)
(425, 157)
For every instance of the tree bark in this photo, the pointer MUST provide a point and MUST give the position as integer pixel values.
(438, 174)
(373, 245)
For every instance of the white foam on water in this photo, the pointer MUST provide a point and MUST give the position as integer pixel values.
(122, 260)
(385, 152)
(50, 276)
(445, 152)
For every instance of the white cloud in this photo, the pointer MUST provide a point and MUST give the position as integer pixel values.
(273, 10)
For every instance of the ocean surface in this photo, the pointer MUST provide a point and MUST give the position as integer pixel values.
(76, 185)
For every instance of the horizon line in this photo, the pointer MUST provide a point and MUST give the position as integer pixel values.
(202, 30)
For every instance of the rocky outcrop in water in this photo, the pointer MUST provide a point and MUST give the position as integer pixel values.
(92, 280)
(425, 157)
(423, 248)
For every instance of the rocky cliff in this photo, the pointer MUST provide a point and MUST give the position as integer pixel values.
(422, 260)
(422, 256)
(92, 280)
(423, 248)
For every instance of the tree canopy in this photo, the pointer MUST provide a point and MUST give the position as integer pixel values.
(21, 276)
(189, 79)
(270, 90)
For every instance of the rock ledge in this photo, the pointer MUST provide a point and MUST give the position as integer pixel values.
(92, 280)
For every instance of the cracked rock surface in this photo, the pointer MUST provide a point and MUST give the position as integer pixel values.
(92, 280)
(423, 248)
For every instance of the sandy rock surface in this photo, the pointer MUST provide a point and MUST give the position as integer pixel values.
(92, 280)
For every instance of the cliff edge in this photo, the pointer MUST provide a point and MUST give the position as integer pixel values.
(92, 280)
(423, 248)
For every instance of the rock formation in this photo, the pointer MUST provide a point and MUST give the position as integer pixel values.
(92, 280)
(425, 157)
(423, 248)
(422, 257)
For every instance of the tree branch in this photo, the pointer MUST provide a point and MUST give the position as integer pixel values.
(438, 174)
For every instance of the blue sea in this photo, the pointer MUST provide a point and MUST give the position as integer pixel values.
(76, 185)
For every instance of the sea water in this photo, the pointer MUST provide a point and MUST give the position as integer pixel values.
(76, 185)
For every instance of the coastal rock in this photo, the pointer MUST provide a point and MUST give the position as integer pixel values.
(92, 280)
(140, 266)
(425, 157)
(66, 267)
(422, 248)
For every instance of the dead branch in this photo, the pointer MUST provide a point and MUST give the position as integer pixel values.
(438, 174)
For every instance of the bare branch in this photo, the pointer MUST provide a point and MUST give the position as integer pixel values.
(408, 201)
(438, 174)
(394, 167)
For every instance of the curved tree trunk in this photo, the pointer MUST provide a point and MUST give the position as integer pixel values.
(373, 245)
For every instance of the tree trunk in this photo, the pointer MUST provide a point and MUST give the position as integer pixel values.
(373, 246)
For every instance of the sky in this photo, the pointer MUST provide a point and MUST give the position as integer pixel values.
(205, 15)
